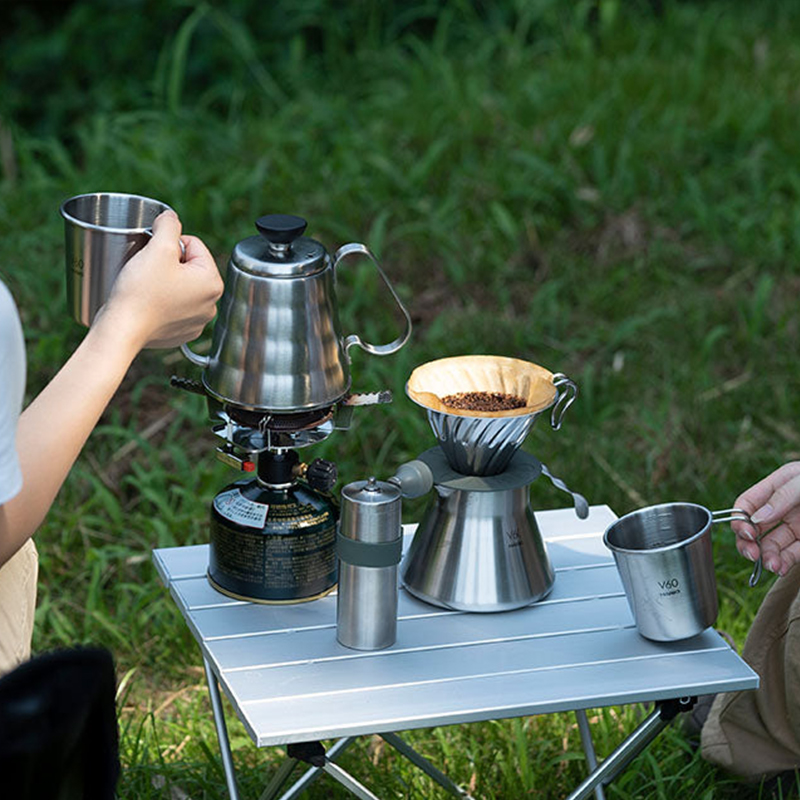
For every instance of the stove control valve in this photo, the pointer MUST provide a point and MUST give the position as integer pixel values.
(320, 474)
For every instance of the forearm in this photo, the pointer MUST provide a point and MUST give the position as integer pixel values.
(157, 301)
(54, 427)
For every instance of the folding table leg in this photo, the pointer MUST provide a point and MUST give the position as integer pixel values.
(222, 730)
(312, 773)
(588, 749)
(314, 753)
(419, 760)
(663, 714)
(280, 776)
(349, 782)
(284, 771)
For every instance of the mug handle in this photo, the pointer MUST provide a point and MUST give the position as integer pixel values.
(564, 399)
(743, 516)
(349, 341)
(200, 361)
(149, 232)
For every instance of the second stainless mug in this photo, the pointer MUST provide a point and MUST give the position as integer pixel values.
(665, 560)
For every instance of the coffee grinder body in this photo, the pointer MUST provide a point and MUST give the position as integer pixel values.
(370, 545)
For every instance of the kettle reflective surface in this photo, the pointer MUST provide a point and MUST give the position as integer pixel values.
(277, 343)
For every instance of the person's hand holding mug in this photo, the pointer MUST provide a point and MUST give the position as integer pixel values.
(163, 297)
(774, 506)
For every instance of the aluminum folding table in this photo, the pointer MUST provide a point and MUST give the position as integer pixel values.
(291, 683)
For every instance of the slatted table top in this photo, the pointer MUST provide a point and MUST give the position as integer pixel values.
(290, 680)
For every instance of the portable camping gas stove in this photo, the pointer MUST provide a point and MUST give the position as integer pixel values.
(273, 535)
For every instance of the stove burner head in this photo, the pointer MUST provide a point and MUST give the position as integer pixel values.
(279, 423)
(256, 431)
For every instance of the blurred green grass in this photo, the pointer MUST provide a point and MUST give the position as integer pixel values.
(606, 190)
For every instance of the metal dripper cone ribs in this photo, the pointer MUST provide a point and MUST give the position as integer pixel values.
(481, 408)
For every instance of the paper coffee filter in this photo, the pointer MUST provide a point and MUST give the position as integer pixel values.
(432, 381)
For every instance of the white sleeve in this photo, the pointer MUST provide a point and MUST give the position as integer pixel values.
(12, 391)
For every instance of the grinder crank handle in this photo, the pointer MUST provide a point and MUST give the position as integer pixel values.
(413, 478)
(581, 506)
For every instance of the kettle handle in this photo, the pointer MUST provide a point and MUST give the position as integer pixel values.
(349, 341)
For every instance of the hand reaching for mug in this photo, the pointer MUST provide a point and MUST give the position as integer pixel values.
(774, 506)
(159, 300)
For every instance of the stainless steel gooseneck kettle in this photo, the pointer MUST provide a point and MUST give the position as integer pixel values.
(277, 344)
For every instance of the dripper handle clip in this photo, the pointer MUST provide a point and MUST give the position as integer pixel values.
(567, 391)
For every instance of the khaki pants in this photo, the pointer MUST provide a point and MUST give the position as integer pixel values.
(758, 733)
(17, 603)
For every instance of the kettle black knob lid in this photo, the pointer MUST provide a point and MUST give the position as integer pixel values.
(281, 228)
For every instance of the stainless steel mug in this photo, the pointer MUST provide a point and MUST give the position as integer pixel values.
(370, 544)
(102, 230)
(665, 560)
